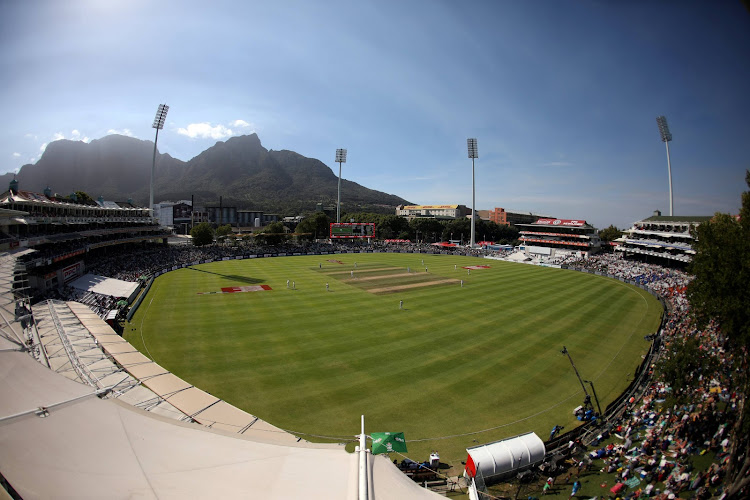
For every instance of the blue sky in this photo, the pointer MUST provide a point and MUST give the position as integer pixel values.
(562, 96)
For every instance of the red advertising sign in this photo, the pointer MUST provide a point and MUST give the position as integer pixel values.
(561, 222)
(71, 272)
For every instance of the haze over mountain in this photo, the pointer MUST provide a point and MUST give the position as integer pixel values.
(240, 170)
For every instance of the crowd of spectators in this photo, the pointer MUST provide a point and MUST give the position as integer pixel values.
(130, 263)
(653, 446)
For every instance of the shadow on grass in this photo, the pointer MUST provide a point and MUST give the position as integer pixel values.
(232, 277)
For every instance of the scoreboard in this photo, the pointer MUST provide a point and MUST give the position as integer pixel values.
(352, 230)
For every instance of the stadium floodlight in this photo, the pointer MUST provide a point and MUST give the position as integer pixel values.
(161, 116)
(473, 153)
(340, 158)
(666, 136)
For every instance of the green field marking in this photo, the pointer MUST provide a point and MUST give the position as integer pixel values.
(454, 361)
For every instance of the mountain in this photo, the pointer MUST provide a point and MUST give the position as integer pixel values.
(240, 170)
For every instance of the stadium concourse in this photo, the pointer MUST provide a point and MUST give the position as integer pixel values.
(64, 432)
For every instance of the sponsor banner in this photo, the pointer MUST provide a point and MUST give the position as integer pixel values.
(227, 258)
(68, 255)
(267, 255)
(561, 222)
(71, 272)
(566, 235)
(475, 267)
(281, 255)
(251, 256)
(556, 242)
(388, 442)
(239, 289)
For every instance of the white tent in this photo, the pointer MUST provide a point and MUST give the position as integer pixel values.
(506, 457)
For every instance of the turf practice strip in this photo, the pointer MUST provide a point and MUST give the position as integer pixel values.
(416, 343)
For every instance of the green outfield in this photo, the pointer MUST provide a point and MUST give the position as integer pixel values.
(454, 360)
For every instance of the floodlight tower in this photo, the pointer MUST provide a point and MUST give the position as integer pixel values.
(473, 153)
(340, 158)
(666, 136)
(161, 115)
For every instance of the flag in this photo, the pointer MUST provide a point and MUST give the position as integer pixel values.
(386, 442)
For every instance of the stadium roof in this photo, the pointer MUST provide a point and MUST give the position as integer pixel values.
(58, 439)
(679, 218)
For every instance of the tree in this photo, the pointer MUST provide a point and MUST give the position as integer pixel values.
(610, 234)
(274, 233)
(84, 199)
(720, 292)
(429, 230)
(314, 226)
(457, 228)
(203, 234)
(391, 226)
(224, 230)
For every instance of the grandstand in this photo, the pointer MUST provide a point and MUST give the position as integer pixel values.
(661, 238)
(59, 234)
(551, 239)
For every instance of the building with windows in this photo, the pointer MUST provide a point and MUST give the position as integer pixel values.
(661, 238)
(173, 214)
(554, 238)
(433, 211)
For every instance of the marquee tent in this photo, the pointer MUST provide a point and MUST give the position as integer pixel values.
(503, 458)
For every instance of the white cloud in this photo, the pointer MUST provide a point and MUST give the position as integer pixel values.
(56, 137)
(42, 147)
(206, 130)
(16, 155)
(240, 124)
(125, 131)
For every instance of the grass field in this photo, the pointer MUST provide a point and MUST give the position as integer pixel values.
(457, 366)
